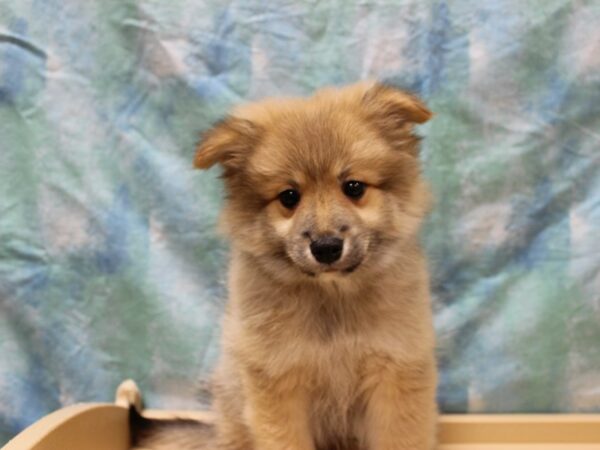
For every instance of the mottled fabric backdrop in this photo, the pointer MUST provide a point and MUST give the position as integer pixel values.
(110, 266)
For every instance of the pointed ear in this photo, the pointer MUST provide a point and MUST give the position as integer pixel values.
(394, 113)
(392, 107)
(228, 143)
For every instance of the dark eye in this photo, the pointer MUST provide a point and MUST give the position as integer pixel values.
(289, 198)
(354, 189)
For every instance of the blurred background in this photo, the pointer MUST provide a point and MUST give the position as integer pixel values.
(110, 267)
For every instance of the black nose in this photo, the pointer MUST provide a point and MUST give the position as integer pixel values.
(327, 250)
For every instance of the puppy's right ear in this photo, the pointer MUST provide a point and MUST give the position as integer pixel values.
(227, 143)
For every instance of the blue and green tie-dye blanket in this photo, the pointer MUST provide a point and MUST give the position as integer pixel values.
(109, 263)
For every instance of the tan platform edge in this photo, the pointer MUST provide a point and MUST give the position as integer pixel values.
(105, 426)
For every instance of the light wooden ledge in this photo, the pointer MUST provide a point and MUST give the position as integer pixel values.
(520, 432)
(88, 426)
(105, 426)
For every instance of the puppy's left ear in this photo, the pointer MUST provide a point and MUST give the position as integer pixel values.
(228, 143)
(393, 107)
(394, 113)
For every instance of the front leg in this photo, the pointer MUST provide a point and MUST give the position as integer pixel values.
(277, 413)
(401, 412)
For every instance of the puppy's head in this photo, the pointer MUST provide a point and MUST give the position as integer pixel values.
(328, 187)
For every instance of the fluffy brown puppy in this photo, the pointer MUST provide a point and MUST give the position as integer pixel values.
(327, 338)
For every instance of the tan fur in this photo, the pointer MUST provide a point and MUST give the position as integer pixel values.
(320, 357)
